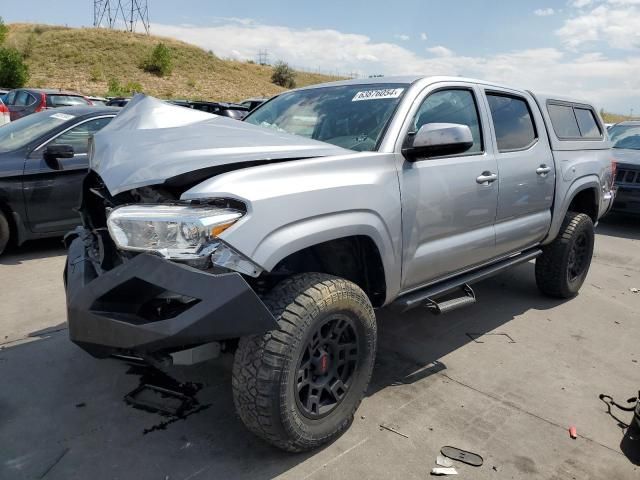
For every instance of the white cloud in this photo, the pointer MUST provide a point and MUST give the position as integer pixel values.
(544, 12)
(611, 83)
(440, 51)
(423, 36)
(581, 3)
(402, 36)
(617, 23)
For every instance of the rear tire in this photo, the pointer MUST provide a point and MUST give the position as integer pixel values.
(298, 387)
(5, 232)
(564, 263)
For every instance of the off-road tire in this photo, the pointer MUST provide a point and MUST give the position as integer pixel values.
(5, 232)
(265, 369)
(553, 266)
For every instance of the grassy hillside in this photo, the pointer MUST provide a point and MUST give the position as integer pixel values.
(85, 59)
(608, 117)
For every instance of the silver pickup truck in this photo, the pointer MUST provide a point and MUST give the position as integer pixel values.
(275, 238)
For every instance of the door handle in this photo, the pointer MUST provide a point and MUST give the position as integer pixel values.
(486, 178)
(543, 170)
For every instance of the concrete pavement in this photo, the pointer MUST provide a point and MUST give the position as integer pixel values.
(505, 379)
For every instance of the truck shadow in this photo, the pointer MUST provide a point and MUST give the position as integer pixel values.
(621, 226)
(65, 416)
(33, 250)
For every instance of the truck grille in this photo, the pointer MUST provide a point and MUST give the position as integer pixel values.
(628, 176)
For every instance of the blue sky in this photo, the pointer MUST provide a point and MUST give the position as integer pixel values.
(585, 48)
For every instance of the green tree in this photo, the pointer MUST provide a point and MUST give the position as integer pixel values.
(14, 73)
(283, 75)
(4, 31)
(159, 62)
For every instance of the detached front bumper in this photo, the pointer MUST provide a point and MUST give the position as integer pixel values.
(114, 312)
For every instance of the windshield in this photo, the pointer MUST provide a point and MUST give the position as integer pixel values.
(352, 116)
(625, 136)
(20, 133)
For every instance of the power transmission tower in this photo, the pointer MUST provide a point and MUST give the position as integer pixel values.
(116, 13)
(263, 57)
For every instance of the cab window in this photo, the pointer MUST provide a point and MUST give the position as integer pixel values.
(451, 106)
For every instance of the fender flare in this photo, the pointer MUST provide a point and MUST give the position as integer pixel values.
(560, 209)
(296, 236)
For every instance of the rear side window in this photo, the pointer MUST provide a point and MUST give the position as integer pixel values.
(572, 122)
(22, 98)
(587, 123)
(65, 101)
(564, 121)
(512, 122)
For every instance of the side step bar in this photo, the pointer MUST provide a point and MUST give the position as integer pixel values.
(425, 295)
(466, 297)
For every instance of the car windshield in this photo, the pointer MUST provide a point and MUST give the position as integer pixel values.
(20, 133)
(351, 116)
(625, 136)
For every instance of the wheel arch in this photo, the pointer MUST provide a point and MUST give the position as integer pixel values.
(352, 245)
(582, 196)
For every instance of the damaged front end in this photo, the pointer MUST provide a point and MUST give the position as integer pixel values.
(148, 274)
(137, 303)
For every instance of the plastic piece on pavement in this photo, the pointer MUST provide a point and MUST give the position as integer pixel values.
(463, 456)
(443, 461)
(444, 471)
(573, 433)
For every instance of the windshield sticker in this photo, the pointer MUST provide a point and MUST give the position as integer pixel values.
(62, 116)
(377, 94)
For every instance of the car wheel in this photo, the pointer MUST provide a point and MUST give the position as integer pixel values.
(5, 232)
(564, 263)
(298, 387)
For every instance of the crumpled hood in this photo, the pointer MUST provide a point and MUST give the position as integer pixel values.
(151, 141)
(626, 156)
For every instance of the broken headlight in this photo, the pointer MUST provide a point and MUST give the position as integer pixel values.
(177, 232)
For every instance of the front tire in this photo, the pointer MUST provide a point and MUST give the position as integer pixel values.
(298, 387)
(564, 263)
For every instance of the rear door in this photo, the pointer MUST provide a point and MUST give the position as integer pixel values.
(448, 212)
(50, 194)
(525, 168)
(23, 104)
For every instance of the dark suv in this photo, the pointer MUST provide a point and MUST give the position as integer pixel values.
(25, 101)
(625, 137)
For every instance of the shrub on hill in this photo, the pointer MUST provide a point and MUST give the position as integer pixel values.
(159, 62)
(283, 75)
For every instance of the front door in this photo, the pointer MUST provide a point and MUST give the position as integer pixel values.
(526, 171)
(52, 194)
(448, 208)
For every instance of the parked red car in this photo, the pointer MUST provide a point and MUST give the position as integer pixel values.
(25, 101)
(4, 114)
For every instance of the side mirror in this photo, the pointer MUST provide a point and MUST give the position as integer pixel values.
(53, 152)
(438, 139)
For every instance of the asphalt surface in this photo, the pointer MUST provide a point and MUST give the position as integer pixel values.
(505, 378)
